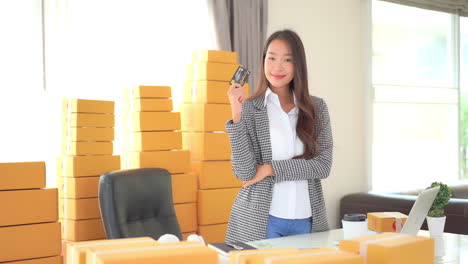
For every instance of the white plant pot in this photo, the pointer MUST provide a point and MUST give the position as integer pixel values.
(436, 225)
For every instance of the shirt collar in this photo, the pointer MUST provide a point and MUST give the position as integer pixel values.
(273, 98)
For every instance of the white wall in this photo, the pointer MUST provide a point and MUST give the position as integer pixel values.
(333, 34)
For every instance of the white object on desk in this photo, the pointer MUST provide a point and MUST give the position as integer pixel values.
(352, 229)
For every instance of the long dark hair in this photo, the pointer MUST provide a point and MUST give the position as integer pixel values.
(305, 129)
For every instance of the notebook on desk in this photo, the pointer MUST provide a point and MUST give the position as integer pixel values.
(225, 248)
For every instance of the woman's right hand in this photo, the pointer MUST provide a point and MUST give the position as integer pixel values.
(236, 96)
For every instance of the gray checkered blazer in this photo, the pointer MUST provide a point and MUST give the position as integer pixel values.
(250, 144)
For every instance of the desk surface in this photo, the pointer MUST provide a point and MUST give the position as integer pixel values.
(450, 248)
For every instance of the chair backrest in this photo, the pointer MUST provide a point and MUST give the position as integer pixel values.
(137, 202)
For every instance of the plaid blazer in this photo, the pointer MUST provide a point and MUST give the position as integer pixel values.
(251, 145)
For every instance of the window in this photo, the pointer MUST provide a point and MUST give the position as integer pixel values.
(416, 97)
(464, 97)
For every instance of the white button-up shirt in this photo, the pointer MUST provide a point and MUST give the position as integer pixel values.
(290, 198)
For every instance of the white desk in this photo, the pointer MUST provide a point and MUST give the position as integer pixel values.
(451, 248)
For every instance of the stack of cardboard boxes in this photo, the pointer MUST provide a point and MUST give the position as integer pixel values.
(29, 227)
(204, 113)
(152, 140)
(87, 148)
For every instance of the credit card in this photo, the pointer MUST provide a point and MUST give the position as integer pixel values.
(240, 76)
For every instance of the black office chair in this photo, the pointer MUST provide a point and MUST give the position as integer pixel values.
(137, 202)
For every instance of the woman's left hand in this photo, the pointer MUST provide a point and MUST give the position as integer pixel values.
(263, 171)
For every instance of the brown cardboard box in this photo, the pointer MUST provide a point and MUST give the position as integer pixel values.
(79, 209)
(215, 174)
(386, 221)
(144, 91)
(81, 230)
(307, 256)
(79, 166)
(152, 121)
(214, 206)
(149, 141)
(186, 216)
(393, 248)
(28, 206)
(148, 104)
(88, 106)
(213, 233)
(204, 117)
(46, 260)
(214, 56)
(22, 175)
(87, 134)
(184, 188)
(244, 256)
(175, 161)
(207, 145)
(211, 71)
(29, 241)
(75, 188)
(87, 120)
(75, 148)
(208, 92)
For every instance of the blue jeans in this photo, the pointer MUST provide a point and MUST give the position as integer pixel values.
(279, 227)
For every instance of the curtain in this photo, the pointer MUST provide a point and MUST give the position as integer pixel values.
(240, 26)
(459, 7)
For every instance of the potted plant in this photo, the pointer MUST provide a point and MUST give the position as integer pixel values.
(436, 218)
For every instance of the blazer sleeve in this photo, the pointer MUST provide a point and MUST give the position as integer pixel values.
(315, 168)
(243, 158)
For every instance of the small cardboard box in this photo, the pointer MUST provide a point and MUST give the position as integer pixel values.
(28, 206)
(79, 209)
(214, 206)
(145, 91)
(46, 260)
(244, 256)
(214, 56)
(204, 117)
(211, 71)
(80, 166)
(22, 175)
(392, 248)
(82, 230)
(88, 106)
(92, 252)
(386, 221)
(152, 121)
(29, 241)
(148, 104)
(149, 141)
(308, 256)
(208, 92)
(76, 188)
(207, 145)
(175, 161)
(187, 216)
(215, 174)
(184, 188)
(213, 233)
(74, 148)
(87, 134)
(87, 120)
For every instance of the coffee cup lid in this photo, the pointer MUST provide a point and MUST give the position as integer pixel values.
(354, 217)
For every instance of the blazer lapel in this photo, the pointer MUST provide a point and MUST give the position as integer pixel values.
(262, 128)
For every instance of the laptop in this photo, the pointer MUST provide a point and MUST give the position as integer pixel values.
(419, 211)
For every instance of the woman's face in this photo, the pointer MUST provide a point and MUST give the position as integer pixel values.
(279, 66)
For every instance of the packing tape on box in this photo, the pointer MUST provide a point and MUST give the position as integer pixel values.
(237, 257)
(195, 74)
(128, 250)
(398, 221)
(194, 92)
(363, 245)
(271, 259)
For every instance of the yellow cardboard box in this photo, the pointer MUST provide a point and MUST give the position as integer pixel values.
(174, 253)
(214, 56)
(76, 251)
(145, 91)
(213, 233)
(91, 253)
(152, 121)
(386, 221)
(28, 206)
(392, 248)
(207, 145)
(175, 161)
(79, 166)
(74, 148)
(214, 206)
(87, 120)
(148, 141)
(244, 256)
(148, 104)
(22, 175)
(215, 174)
(82, 230)
(29, 241)
(186, 216)
(79, 209)
(184, 188)
(208, 92)
(87, 134)
(211, 71)
(88, 106)
(46, 260)
(204, 117)
(75, 188)
(308, 256)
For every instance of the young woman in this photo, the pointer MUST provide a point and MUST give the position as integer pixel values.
(281, 144)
